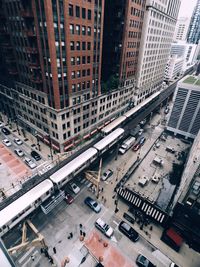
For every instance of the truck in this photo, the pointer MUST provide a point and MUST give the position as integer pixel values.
(158, 161)
(127, 144)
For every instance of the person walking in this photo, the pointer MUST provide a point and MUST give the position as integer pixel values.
(32, 258)
(54, 250)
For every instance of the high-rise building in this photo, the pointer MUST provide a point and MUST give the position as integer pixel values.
(123, 22)
(185, 115)
(157, 34)
(181, 29)
(194, 29)
(174, 68)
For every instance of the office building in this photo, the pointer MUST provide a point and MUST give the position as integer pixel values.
(174, 68)
(185, 114)
(181, 29)
(157, 34)
(194, 29)
(123, 21)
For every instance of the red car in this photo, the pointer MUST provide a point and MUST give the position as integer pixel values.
(69, 199)
(136, 147)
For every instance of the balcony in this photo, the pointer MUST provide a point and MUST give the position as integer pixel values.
(26, 13)
(31, 50)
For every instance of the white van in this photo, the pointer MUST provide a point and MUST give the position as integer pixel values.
(127, 144)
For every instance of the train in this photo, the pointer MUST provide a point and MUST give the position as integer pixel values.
(19, 209)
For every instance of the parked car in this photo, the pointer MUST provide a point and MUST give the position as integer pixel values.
(166, 110)
(5, 131)
(140, 132)
(75, 188)
(19, 152)
(106, 174)
(30, 163)
(1, 124)
(35, 155)
(68, 198)
(6, 142)
(104, 227)
(127, 230)
(18, 141)
(142, 140)
(142, 261)
(92, 204)
(136, 147)
(143, 122)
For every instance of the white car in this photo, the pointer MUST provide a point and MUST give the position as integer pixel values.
(6, 142)
(19, 152)
(75, 188)
(18, 141)
(104, 227)
(30, 163)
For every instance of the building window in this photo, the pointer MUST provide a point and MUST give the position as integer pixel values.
(72, 60)
(89, 31)
(72, 45)
(83, 45)
(88, 59)
(73, 74)
(88, 72)
(78, 29)
(73, 88)
(77, 11)
(89, 14)
(71, 27)
(83, 13)
(78, 46)
(78, 60)
(71, 13)
(78, 74)
(83, 30)
(88, 45)
(83, 60)
(78, 87)
(83, 73)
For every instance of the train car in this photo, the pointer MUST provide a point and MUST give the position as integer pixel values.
(66, 173)
(108, 141)
(113, 125)
(24, 205)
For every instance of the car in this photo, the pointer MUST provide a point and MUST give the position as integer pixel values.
(1, 124)
(166, 110)
(157, 145)
(18, 141)
(35, 155)
(128, 231)
(142, 261)
(5, 131)
(92, 204)
(30, 163)
(106, 174)
(141, 141)
(68, 198)
(140, 132)
(19, 152)
(136, 147)
(104, 227)
(143, 122)
(6, 142)
(75, 188)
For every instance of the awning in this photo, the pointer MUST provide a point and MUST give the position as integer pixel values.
(86, 136)
(46, 141)
(93, 132)
(55, 147)
(100, 127)
(174, 236)
(106, 123)
(68, 147)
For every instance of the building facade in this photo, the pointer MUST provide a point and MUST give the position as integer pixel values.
(181, 29)
(194, 29)
(185, 115)
(157, 34)
(173, 68)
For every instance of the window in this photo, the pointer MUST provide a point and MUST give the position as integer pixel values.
(83, 60)
(88, 84)
(88, 59)
(89, 31)
(73, 74)
(72, 60)
(88, 45)
(83, 30)
(71, 27)
(83, 45)
(72, 45)
(88, 72)
(78, 74)
(89, 14)
(73, 88)
(83, 85)
(77, 11)
(71, 13)
(78, 29)
(78, 46)
(83, 73)
(83, 13)
(78, 87)
(78, 60)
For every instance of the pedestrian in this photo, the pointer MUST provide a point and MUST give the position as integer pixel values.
(71, 235)
(54, 250)
(32, 258)
(102, 189)
(104, 200)
(80, 225)
(102, 197)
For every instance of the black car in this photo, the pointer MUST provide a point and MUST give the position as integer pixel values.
(35, 155)
(5, 131)
(126, 229)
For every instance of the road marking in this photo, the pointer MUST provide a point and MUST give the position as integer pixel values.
(26, 254)
(116, 223)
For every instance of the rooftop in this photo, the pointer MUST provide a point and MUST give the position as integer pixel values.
(193, 80)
